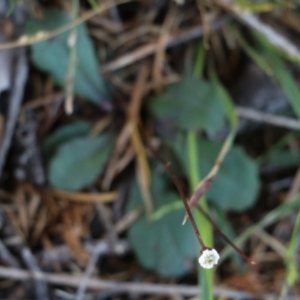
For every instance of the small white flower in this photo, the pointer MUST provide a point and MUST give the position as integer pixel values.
(209, 258)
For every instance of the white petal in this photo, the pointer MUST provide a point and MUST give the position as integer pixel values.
(209, 258)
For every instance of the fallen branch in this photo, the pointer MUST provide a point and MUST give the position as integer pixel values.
(128, 287)
(255, 115)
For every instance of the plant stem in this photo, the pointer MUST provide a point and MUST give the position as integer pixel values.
(206, 230)
(185, 203)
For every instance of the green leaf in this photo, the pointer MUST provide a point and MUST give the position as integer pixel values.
(190, 104)
(236, 185)
(52, 56)
(78, 162)
(164, 246)
(62, 135)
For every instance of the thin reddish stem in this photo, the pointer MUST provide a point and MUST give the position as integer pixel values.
(224, 237)
(179, 187)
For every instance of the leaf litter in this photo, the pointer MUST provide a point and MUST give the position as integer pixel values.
(134, 96)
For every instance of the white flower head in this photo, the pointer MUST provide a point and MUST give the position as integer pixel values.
(208, 258)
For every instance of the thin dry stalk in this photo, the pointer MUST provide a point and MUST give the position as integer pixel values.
(143, 169)
(159, 56)
(183, 197)
(40, 285)
(96, 284)
(26, 40)
(274, 37)
(84, 197)
(149, 49)
(121, 143)
(66, 280)
(255, 115)
(127, 220)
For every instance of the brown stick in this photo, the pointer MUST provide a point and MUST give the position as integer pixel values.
(120, 287)
(127, 287)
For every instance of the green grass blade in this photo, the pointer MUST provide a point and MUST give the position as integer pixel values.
(281, 73)
(291, 261)
(273, 216)
(253, 53)
(205, 277)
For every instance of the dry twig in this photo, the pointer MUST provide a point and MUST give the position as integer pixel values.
(268, 118)
(128, 287)
(150, 49)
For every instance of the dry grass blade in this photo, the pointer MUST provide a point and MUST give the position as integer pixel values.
(72, 232)
(61, 254)
(42, 101)
(161, 47)
(23, 220)
(26, 40)
(127, 220)
(69, 80)
(122, 142)
(150, 49)
(84, 197)
(268, 118)
(100, 126)
(271, 241)
(143, 169)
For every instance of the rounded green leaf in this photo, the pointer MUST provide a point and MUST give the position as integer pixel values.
(191, 103)
(164, 246)
(78, 162)
(236, 184)
(52, 56)
(62, 135)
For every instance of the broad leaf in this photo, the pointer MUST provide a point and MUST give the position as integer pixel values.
(164, 246)
(78, 162)
(62, 135)
(191, 103)
(52, 56)
(236, 185)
